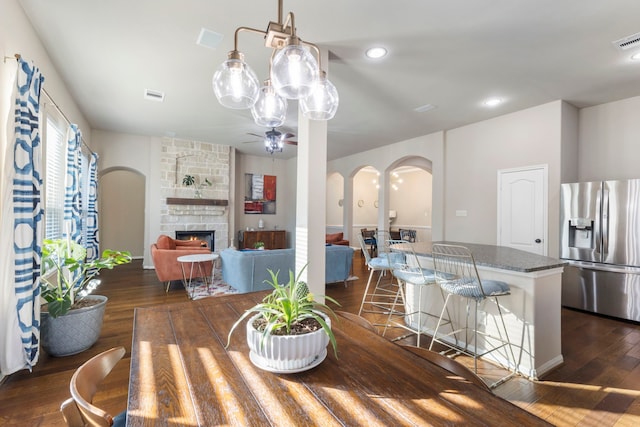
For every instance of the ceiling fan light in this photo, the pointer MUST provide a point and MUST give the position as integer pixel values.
(273, 141)
(235, 84)
(322, 102)
(270, 109)
(293, 71)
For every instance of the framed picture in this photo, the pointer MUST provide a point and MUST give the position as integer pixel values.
(260, 194)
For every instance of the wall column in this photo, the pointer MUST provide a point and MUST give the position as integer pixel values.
(311, 199)
(311, 202)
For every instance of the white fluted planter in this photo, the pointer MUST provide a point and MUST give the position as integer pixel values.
(287, 353)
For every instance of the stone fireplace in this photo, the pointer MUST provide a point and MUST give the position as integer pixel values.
(193, 214)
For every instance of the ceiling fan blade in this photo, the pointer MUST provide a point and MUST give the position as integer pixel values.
(288, 135)
(255, 134)
(286, 141)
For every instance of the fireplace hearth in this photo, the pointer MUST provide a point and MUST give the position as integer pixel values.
(206, 235)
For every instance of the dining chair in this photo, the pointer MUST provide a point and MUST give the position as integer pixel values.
(359, 320)
(448, 364)
(457, 274)
(382, 296)
(79, 410)
(369, 237)
(413, 279)
(408, 235)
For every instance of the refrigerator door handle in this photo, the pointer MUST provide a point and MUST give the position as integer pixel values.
(598, 226)
(605, 223)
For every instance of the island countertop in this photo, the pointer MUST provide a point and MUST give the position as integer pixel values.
(499, 257)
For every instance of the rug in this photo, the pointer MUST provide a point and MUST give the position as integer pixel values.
(217, 288)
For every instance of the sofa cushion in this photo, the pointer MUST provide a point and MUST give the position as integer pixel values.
(335, 237)
(165, 242)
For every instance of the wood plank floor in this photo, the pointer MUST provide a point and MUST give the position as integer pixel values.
(598, 385)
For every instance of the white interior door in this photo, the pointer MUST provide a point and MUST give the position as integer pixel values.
(522, 209)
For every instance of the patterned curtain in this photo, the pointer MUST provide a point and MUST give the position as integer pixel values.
(72, 193)
(23, 224)
(92, 240)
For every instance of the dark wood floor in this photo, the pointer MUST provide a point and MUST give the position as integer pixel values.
(598, 385)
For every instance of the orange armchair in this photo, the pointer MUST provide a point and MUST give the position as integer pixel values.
(165, 253)
(336, 239)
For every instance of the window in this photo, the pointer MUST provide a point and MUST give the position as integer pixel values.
(54, 152)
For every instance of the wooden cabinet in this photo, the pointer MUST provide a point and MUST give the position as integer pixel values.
(272, 239)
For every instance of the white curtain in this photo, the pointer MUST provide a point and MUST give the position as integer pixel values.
(21, 226)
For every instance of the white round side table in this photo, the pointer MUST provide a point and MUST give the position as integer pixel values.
(197, 261)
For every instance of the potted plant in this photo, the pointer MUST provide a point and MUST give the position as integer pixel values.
(289, 331)
(190, 180)
(71, 321)
(259, 246)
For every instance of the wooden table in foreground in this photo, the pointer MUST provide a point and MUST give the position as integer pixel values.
(181, 374)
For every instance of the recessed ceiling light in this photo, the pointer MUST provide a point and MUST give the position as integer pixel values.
(376, 52)
(492, 102)
(635, 57)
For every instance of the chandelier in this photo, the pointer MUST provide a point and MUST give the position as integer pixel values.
(294, 73)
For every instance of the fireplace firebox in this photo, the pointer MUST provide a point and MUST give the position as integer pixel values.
(206, 235)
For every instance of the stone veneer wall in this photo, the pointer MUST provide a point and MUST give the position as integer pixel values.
(202, 160)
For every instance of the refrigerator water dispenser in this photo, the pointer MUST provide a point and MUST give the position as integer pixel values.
(581, 233)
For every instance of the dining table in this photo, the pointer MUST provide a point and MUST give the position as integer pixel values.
(184, 374)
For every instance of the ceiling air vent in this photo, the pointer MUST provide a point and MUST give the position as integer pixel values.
(628, 42)
(153, 95)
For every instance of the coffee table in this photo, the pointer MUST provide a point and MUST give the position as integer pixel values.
(198, 262)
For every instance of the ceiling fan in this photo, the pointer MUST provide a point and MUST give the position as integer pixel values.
(274, 140)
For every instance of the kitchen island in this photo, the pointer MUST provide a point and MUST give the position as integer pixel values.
(531, 312)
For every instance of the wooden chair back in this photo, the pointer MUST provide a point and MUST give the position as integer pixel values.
(84, 385)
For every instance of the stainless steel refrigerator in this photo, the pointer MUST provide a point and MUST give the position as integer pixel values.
(600, 239)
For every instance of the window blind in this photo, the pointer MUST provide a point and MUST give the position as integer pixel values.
(54, 145)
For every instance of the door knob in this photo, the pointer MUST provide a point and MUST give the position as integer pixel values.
(538, 241)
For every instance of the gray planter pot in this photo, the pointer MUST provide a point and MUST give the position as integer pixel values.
(74, 332)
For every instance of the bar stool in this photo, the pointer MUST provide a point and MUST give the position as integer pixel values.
(411, 273)
(457, 274)
(382, 298)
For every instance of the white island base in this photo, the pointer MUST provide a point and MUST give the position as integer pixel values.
(531, 312)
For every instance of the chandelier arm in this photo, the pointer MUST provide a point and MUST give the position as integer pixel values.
(317, 49)
(291, 23)
(249, 29)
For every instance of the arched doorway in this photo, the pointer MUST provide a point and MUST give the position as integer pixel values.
(121, 201)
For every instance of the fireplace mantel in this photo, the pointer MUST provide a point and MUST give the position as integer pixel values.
(198, 202)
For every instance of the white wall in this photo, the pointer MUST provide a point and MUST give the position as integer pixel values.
(285, 193)
(385, 159)
(335, 201)
(475, 153)
(610, 141)
(17, 36)
(412, 200)
(141, 154)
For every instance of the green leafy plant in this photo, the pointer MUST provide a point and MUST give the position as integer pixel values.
(190, 180)
(66, 276)
(286, 309)
(258, 245)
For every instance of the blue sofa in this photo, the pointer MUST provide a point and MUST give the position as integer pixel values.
(246, 270)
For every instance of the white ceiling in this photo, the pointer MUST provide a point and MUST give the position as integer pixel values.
(453, 54)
